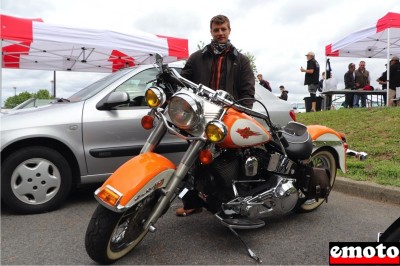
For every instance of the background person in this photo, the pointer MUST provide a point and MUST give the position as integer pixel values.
(321, 82)
(284, 93)
(362, 79)
(349, 84)
(219, 65)
(394, 79)
(264, 82)
(330, 84)
(320, 89)
(311, 78)
(382, 80)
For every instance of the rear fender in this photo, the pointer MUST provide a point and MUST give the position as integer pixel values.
(327, 137)
(136, 179)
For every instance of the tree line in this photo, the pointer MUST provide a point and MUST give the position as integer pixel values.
(13, 101)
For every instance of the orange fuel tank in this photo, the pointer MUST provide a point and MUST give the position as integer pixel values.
(243, 131)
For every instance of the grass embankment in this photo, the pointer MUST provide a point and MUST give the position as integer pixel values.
(375, 131)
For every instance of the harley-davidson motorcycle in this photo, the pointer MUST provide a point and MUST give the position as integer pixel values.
(245, 167)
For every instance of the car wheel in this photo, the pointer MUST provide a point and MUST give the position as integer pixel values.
(35, 179)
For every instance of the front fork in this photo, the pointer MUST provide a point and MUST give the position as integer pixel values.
(186, 163)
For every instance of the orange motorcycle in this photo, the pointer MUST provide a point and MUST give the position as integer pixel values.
(245, 167)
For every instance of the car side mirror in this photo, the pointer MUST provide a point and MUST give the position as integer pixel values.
(114, 99)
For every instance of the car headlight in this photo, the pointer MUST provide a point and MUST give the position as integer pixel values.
(155, 97)
(185, 110)
(216, 131)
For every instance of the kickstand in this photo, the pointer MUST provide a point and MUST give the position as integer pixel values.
(251, 253)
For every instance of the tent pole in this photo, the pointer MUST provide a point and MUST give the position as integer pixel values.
(1, 74)
(388, 67)
(54, 84)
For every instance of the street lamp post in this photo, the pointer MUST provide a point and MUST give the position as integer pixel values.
(15, 91)
(53, 91)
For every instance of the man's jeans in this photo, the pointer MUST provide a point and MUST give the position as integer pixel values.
(357, 98)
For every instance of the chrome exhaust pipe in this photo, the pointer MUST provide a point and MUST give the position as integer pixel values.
(362, 156)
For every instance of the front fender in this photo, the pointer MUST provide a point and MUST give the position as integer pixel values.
(323, 136)
(135, 179)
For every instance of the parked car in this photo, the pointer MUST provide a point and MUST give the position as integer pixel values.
(299, 107)
(83, 139)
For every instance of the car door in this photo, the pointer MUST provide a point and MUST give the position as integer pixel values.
(111, 137)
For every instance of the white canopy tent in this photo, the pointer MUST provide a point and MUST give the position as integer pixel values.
(33, 44)
(380, 40)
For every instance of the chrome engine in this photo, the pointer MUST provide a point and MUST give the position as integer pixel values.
(279, 199)
(265, 189)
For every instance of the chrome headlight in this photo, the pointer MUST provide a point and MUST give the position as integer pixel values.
(155, 97)
(185, 110)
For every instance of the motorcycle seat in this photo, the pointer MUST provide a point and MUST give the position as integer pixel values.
(299, 141)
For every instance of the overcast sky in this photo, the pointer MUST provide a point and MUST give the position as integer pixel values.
(277, 33)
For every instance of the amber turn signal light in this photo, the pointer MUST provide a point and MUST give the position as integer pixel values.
(216, 131)
(108, 196)
(155, 97)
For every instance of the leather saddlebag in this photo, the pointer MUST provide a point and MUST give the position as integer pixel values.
(319, 185)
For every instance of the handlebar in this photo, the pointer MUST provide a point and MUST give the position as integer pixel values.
(214, 95)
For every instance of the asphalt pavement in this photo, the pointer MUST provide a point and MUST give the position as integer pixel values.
(368, 190)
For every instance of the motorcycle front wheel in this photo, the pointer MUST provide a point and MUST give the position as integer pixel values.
(322, 159)
(110, 235)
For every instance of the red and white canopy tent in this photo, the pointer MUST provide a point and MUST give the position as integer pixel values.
(33, 44)
(380, 40)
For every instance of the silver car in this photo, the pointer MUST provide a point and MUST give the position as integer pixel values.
(47, 150)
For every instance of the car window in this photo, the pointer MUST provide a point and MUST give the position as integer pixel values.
(136, 86)
(98, 86)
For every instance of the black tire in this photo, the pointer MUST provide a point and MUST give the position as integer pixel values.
(323, 159)
(110, 235)
(34, 180)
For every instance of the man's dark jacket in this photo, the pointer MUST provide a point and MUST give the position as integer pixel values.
(394, 79)
(239, 81)
(349, 82)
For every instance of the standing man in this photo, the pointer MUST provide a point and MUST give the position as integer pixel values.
(263, 82)
(349, 84)
(311, 78)
(219, 66)
(382, 80)
(362, 79)
(394, 79)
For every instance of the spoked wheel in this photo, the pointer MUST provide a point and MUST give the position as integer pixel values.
(321, 159)
(111, 235)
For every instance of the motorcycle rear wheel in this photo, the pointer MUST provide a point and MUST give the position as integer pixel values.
(323, 159)
(110, 235)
